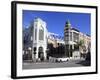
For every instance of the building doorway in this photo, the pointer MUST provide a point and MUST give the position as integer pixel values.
(41, 54)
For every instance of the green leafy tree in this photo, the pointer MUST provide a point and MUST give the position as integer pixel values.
(81, 45)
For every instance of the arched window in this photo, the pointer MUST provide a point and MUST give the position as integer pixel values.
(35, 34)
(40, 49)
(41, 33)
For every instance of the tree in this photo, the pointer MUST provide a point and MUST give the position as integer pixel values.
(81, 45)
(81, 42)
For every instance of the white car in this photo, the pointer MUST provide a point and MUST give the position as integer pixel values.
(62, 59)
(53, 59)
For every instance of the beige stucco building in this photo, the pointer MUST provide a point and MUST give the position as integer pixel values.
(55, 39)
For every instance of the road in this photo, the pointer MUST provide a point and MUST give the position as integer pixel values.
(71, 63)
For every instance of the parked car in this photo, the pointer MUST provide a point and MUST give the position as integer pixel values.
(62, 59)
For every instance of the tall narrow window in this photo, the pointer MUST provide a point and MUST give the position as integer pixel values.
(41, 33)
(70, 36)
(76, 37)
(35, 34)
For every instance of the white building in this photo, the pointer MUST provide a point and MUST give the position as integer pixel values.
(39, 38)
(72, 38)
(36, 42)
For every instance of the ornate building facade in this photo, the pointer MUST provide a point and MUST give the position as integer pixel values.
(76, 42)
(37, 39)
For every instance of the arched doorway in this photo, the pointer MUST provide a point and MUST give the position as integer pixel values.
(41, 53)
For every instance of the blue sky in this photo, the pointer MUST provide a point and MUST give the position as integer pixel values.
(56, 20)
